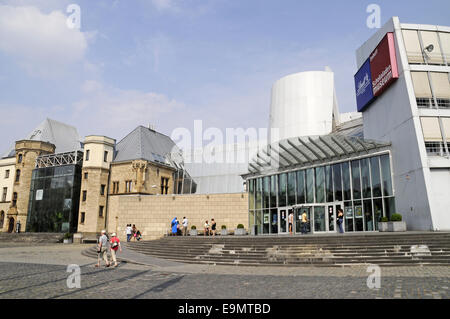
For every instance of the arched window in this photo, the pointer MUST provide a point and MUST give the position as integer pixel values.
(17, 175)
(14, 200)
(19, 160)
(2, 219)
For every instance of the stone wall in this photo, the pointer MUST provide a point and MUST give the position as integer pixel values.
(152, 214)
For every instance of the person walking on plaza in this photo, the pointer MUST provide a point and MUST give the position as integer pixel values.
(115, 245)
(340, 220)
(291, 222)
(206, 229)
(213, 227)
(133, 232)
(185, 226)
(129, 231)
(304, 222)
(174, 226)
(102, 249)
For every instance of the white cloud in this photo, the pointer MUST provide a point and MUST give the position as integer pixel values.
(115, 112)
(41, 43)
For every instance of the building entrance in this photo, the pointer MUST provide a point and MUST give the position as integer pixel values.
(313, 218)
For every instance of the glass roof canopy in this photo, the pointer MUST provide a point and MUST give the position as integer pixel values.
(299, 152)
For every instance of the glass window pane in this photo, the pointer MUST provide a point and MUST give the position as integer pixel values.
(368, 216)
(273, 221)
(337, 181)
(310, 185)
(266, 192)
(386, 175)
(258, 197)
(266, 221)
(251, 194)
(273, 191)
(251, 218)
(348, 213)
(346, 181)
(389, 206)
(320, 184)
(300, 187)
(356, 180)
(359, 225)
(291, 188)
(378, 211)
(375, 170)
(319, 218)
(329, 184)
(365, 178)
(282, 189)
(258, 221)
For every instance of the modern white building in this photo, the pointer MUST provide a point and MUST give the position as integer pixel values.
(413, 114)
(393, 159)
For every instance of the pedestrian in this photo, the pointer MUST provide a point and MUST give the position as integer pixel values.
(138, 235)
(115, 245)
(129, 232)
(133, 232)
(340, 220)
(291, 222)
(206, 229)
(174, 226)
(304, 222)
(102, 249)
(213, 227)
(185, 225)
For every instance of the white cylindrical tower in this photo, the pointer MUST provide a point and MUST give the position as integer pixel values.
(302, 105)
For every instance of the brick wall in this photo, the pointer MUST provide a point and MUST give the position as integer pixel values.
(152, 214)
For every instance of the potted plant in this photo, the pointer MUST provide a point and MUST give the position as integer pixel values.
(193, 231)
(224, 231)
(67, 238)
(240, 230)
(396, 224)
(383, 225)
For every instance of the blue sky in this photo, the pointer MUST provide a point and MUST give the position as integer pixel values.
(169, 62)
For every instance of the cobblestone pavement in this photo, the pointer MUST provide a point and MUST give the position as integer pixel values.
(41, 272)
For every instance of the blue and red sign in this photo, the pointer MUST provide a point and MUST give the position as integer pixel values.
(381, 68)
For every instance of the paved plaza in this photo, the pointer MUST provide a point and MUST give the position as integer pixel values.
(40, 271)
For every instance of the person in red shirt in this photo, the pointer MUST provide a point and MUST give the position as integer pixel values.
(115, 245)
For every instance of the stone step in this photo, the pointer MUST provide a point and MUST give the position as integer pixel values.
(31, 237)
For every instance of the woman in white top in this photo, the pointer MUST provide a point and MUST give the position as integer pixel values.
(206, 229)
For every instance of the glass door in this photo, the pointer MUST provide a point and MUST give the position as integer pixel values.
(302, 216)
(331, 218)
(319, 219)
(282, 218)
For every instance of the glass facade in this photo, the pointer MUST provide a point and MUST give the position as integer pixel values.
(54, 199)
(361, 187)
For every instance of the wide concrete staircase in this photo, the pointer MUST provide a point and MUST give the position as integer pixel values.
(425, 248)
(37, 238)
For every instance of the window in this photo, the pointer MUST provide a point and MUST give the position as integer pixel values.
(412, 45)
(128, 186)
(309, 185)
(86, 175)
(266, 191)
(19, 159)
(102, 190)
(84, 196)
(14, 200)
(258, 198)
(251, 193)
(386, 175)
(273, 191)
(100, 211)
(441, 88)
(375, 170)
(422, 89)
(164, 185)
(435, 56)
(82, 218)
(5, 191)
(17, 175)
(115, 187)
(87, 155)
(356, 180)
(105, 156)
(320, 184)
(300, 187)
(282, 189)
(291, 188)
(7, 173)
(445, 42)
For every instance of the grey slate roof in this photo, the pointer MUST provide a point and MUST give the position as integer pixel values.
(144, 143)
(65, 137)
